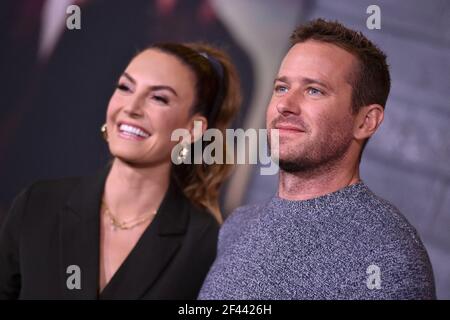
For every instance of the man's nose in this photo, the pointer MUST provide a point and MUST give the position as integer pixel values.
(289, 104)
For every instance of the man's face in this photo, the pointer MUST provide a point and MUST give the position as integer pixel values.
(311, 106)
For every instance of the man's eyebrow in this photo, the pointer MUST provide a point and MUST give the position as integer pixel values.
(153, 88)
(281, 79)
(305, 80)
(317, 81)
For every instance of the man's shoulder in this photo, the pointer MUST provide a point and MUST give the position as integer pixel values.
(382, 217)
(239, 222)
(391, 242)
(244, 214)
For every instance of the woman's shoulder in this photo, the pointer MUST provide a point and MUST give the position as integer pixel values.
(45, 197)
(42, 198)
(58, 191)
(42, 190)
(202, 215)
(202, 219)
(195, 215)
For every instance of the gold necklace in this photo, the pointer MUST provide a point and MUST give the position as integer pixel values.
(126, 225)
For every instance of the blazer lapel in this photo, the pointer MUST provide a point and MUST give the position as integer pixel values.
(79, 238)
(154, 250)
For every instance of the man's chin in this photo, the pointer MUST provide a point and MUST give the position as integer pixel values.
(293, 165)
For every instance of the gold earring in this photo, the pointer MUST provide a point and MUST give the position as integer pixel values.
(182, 155)
(104, 131)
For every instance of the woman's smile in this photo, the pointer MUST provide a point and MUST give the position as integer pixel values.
(131, 132)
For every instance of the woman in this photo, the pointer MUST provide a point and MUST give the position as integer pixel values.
(143, 228)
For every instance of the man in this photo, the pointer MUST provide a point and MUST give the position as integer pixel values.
(325, 235)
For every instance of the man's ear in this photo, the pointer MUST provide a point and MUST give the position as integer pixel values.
(197, 126)
(368, 119)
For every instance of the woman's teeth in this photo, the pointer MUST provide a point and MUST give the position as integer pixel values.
(133, 130)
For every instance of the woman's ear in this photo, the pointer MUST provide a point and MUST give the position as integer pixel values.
(197, 126)
(368, 119)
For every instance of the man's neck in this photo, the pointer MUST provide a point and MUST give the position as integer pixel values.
(304, 185)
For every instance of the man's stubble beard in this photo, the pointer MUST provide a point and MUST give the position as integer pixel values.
(316, 156)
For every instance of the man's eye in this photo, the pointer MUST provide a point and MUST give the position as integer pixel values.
(314, 91)
(280, 89)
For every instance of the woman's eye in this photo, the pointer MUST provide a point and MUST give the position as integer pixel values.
(161, 99)
(314, 91)
(123, 87)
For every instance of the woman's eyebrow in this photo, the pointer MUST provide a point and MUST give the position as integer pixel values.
(162, 87)
(126, 75)
(153, 88)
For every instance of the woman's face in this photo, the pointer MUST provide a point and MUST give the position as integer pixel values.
(154, 97)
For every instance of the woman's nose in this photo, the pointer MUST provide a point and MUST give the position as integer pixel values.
(134, 107)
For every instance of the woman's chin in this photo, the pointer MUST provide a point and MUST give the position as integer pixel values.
(133, 162)
(127, 156)
(136, 157)
(126, 151)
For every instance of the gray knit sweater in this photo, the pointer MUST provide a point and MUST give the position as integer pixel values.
(349, 244)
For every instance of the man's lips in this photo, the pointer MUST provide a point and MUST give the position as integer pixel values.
(288, 127)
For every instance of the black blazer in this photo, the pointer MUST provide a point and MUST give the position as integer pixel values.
(55, 224)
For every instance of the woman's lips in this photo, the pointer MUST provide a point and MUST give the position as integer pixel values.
(129, 136)
(132, 132)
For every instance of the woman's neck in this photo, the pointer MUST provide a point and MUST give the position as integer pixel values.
(131, 191)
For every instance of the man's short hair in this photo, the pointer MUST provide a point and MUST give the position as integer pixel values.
(370, 80)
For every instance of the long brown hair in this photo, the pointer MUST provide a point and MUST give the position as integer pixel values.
(218, 98)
